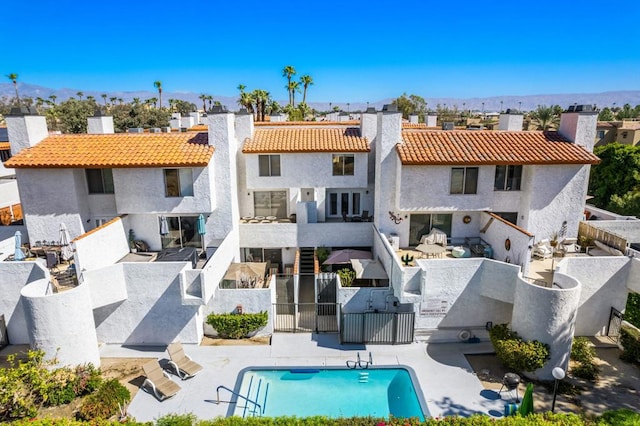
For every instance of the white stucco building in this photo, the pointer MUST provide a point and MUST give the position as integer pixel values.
(278, 193)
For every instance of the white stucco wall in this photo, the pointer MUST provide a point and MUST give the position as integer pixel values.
(511, 122)
(100, 125)
(335, 234)
(306, 169)
(102, 247)
(388, 134)
(548, 315)
(25, 131)
(9, 194)
(45, 209)
(554, 194)
(143, 191)
(153, 313)
(496, 235)
(107, 285)
(228, 251)
(268, 235)
(61, 324)
(604, 285)
(252, 301)
(579, 127)
(452, 294)
(15, 275)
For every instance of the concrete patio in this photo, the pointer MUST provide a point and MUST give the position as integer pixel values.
(448, 385)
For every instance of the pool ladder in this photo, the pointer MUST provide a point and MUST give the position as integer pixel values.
(358, 363)
(257, 408)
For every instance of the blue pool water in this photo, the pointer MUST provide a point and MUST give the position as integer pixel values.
(303, 392)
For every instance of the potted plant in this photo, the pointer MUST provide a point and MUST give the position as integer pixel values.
(554, 239)
(132, 241)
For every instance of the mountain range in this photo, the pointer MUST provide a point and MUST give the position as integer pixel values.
(492, 103)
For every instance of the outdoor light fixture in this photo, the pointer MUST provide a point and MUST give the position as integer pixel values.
(466, 219)
(558, 374)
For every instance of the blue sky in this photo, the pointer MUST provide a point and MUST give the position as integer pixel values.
(354, 50)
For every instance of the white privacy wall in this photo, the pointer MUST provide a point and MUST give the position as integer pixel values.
(153, 313)
(604, 285)
(310, 169)
(61, 324)
(15, 275)
(253, 300)
(103, 247)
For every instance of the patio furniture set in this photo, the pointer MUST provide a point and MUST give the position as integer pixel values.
(159, 381)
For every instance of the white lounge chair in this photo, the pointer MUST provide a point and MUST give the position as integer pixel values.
(159, 381)
(185, 367)
(543, 249)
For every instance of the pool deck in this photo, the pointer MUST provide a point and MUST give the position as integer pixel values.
(448, 384)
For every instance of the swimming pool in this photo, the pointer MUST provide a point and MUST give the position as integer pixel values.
(332, 392)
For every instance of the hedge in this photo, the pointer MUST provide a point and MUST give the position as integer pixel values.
(237, 326)
(630, 340)
(515, 353)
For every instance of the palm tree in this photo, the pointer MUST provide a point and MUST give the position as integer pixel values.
(80, 95)
(172, 104)
(306, 81)
(288, 71)
(136, 101)
(210, 99)
(53, 98)
(91, 98)
(39, 102)
(293, 87)
(545, 117)
(104, 97)
(158, 85)
(241, 88)
(246, 100)
(120, 101)
(14, 78)
(203, 97)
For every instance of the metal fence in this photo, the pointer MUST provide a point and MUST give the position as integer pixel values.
(306, 317)
(4, 339)
(377, 327)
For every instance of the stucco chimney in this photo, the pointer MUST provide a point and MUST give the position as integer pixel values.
(431, 120)
(244, 125)
(100, 124)
(222, 136)
(511, 121)
(578, 124)
(414, 119)
(389, 134)
(369, 124)
(25, 128)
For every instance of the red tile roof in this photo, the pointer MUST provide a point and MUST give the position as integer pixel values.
(119, 150)
(478, 147)
(288, 140)
(4, 146)
(306, 123)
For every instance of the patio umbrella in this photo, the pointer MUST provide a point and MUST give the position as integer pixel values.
(249, 269)
(367, 269)
(164, 226)
(345, 256)
(526, 406)
(65, 251)
(19, 254)
(202, 228)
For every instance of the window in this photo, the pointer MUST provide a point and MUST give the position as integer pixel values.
(422, 224)
(100, 181)
(343, 164)
(270, 203)
(345, 203)
(507, 178)
(600, 134)
(183, 232)
(624, 135)
(464, 180)
(269, 165)
(5, 154)
(178, 182)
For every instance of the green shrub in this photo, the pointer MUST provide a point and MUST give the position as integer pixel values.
(237, 326)
(622, 417)
(515, 353)
(346, 277)
(583, 353)
(188, 419)
(632, 310)
(105, 402)
(630, 340)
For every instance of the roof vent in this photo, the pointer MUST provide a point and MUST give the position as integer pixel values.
(242, 111)
(447, 125)
(218, 109)
(155, 130)
(166, 129)
(183, 130)
(97, 112)
(390, 108)
(136, 130)
(21, 111)
(512, 111)
(370, 110)
(581, 108)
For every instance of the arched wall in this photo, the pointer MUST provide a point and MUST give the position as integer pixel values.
(61, 324)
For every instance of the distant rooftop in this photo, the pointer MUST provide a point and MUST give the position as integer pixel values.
(301, 139)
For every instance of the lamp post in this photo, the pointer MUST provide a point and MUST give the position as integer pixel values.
(558, 374)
